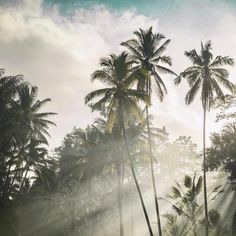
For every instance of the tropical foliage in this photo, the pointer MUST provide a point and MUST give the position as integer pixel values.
(108, 178)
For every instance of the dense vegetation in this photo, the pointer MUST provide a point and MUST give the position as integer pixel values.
(112, 177)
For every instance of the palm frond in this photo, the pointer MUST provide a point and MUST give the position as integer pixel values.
(193, 92)
(165, 70)
(102, 76)
(140, 35)
(176, 192)
(39, 104)
(198, 185)
(132, 49)
(194, 57)
(161, 49)
(44, 114)
(178, 79)
(159, 90)
(139, 95)
(97, 93)
(140, 74)
(160, 85)
(221, 71)
(221, 61)
(163, 59)
(217, 89)
(192, 77)
(100, 105)
(225, 82)
(106, 62)
(187, 181)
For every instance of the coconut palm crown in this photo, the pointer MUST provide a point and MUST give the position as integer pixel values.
(118, 74)
(147, 52)
(206, 74)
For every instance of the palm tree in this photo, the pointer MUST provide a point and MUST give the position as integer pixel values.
(184, 200)
(34, 158)
(86, 156)
(119, 102)
(8, 90)
(26, 108)
(206, 73)
(147, 53)
(82, 155)
(30, 124)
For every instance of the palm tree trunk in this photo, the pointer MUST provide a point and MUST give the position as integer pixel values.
(120, 193)
(24, 179)
(90, 223)
(7, 182)
(133, 173)
(204, 169)
(194, 225)
(153, 176)
(132, 221)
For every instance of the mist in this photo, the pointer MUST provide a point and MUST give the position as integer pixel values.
(117, 118)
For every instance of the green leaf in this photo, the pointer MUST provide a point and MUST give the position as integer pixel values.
(187, 181)
(176, 192)
(199, 185)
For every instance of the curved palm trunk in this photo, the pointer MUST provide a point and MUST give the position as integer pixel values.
(204, 170)
(120, 193)
(133, 173)
(194, 223)
(153, 176)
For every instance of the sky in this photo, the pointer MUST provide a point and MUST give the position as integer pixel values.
(57, 45)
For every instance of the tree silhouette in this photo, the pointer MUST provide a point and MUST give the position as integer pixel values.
(119, 101)
(206, 73)
(147, 53)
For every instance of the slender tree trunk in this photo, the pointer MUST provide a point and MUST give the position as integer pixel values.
(134, 175)
(90, 221)
(233, 227)
(7, 182)
(24, 179)
(153, 176)
(132, 222)
(194, 226)
(120, 193)
(204, 170)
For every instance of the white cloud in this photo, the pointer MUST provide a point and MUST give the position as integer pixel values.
(59, 53)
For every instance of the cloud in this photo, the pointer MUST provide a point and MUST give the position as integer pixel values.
(58, 53)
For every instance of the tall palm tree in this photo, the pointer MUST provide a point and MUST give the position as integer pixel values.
(206, 74)
(119, 102)
(147, 53)
(30, 124)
